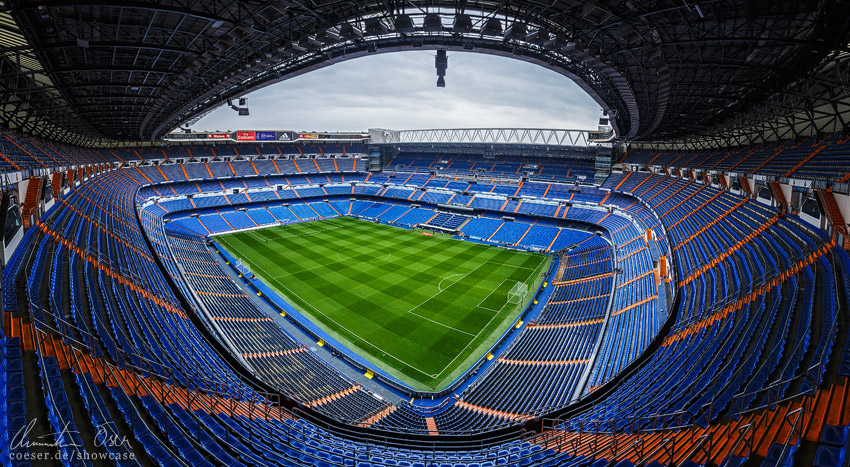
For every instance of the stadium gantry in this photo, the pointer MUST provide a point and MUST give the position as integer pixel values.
(670, 289)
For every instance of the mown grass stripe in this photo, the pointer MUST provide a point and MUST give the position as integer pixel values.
(407, 302)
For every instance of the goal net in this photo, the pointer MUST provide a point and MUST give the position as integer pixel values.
(243, 268)
(518, 293)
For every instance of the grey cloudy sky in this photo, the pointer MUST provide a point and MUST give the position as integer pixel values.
(398, 91)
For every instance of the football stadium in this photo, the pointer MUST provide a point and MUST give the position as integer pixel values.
(668, 287)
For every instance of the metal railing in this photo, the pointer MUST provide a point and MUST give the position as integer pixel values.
(229, 398)
(684, 420)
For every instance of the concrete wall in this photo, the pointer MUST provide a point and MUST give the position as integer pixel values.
(22, 189)
(749, 183)
(787, 191)
(843, 202)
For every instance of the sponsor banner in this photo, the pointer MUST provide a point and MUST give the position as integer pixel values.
(354, 136)
(245, 136)
(218, 136)
(285, 136)
(308, 136)
(184, 136)
(265, 136)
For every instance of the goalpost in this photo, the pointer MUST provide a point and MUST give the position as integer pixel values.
(243, 268)
(518, 293)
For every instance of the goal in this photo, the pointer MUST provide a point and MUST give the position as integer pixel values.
(518, 293)
(243, 268)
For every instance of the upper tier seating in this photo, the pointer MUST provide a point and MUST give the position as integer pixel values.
(22, 153)
(812, 158)
(549, 169)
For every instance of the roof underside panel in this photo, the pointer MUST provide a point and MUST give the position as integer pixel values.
(666, 70)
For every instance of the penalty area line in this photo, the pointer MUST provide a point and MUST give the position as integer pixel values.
(350, 332)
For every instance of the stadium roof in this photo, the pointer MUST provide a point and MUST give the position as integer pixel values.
(709, 72)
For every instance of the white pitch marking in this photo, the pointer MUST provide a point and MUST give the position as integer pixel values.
(272, 278)
(440, 285)
(411, 311)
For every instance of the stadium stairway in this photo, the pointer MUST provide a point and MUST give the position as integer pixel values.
(824, 271)
(633, 238)
(379, 209)
(837, 220)
(29, 207)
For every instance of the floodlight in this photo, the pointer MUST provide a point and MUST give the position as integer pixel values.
(463, 23)
(493, 27)
(433, 22)
(404, 24)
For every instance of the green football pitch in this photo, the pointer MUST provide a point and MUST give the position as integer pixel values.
(422, 308)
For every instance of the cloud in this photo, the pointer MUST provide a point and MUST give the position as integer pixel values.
(398, 91)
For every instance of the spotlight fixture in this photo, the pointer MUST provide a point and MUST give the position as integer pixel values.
(242, 108)
(462, 24)
(493, 27)
(516, 31)
(433, 22)
(350, 32)
(404, 24)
